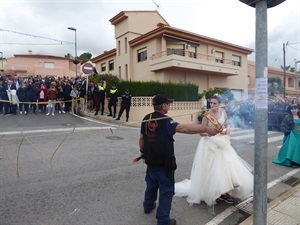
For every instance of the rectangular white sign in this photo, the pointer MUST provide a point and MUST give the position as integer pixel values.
(261, 93)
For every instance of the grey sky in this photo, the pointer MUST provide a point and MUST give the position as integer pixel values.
(226, 20)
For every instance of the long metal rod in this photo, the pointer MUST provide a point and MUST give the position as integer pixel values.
(76, 52)
(261, 112)
(284, 72)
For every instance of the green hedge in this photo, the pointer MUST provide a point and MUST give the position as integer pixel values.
(178, 92)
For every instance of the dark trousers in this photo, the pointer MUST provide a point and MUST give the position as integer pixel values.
(126, 108)
(26, 107)
(100, 104)
(68, 103)
(13, 108)
(21, 107)
(156, 178)
(1, 107)
(41, 105)
(10, 108)
(7, 108)
(114, 106)
(33, 105)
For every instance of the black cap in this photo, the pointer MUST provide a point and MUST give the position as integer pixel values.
(160, 99)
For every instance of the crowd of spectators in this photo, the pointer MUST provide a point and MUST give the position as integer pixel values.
(241, 114)
(31, 94)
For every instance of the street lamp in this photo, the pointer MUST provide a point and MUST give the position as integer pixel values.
(75, 61)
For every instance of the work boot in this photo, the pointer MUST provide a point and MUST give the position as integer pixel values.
(172, 222)
(118, 118)
(127, 119)
(153, 207)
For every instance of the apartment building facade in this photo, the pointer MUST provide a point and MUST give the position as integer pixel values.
(292, 82)
(149, 49)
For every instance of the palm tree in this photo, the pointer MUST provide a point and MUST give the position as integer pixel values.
(288, 68)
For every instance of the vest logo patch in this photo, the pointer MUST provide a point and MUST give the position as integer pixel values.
(152, 125)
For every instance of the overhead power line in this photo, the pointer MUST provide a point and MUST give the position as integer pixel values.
(36, 36)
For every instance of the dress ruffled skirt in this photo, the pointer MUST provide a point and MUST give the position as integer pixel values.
(217, 169)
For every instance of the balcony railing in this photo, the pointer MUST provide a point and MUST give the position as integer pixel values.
(179, 58)
(194, 55)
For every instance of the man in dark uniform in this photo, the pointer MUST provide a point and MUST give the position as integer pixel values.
(125, 105)
(157, 147)
(113, 99)
(100, 93)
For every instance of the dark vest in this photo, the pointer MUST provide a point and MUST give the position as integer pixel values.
(158, 143)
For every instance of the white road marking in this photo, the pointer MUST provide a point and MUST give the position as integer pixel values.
(271, 139)
(69, 129)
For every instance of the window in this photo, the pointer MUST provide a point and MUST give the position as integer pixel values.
(119, 48)
(291, 82)
(192, 51)
(142, 54)
(49, 65)
(236, 60)
(125, 45)
(120, 72)
(103, 67)
(175, 49)
(219, 57)
(111, 65)
(126, 72)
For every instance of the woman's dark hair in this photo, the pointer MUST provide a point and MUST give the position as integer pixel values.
(218, 98)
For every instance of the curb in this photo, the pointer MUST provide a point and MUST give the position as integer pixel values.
(112, 120)
(274, 203)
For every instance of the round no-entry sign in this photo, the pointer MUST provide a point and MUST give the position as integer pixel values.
(87, 68)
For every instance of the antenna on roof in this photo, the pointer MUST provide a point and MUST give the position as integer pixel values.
(157, 6)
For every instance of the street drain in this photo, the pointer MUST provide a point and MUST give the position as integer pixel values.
(292, 181)
(246, 206)
(116, 138)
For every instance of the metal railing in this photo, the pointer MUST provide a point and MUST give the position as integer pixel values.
(189, 54)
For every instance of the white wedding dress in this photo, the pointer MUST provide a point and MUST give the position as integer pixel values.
(217, 169)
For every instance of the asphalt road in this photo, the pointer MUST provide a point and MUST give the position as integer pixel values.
(67, 170)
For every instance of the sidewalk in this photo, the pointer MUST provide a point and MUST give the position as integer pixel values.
(284, 210)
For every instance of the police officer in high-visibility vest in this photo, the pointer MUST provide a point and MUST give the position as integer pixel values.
(113, 99)
(100, 93)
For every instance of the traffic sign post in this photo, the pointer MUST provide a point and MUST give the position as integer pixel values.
(87, 68)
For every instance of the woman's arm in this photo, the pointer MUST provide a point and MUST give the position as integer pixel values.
(287, 124)
(226, 124)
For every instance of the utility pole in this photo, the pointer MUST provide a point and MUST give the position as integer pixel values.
(261, 109)
(284, 72)
(297, 86)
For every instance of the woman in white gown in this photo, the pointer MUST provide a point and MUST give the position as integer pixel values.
(217, 172)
